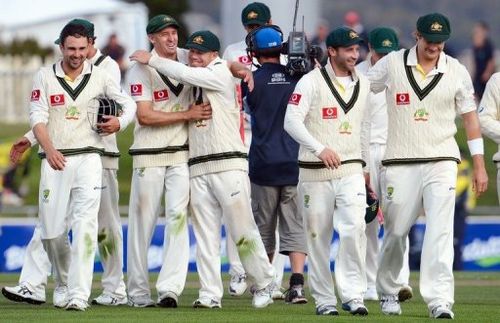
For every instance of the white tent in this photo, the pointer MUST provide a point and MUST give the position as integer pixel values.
(44, 19)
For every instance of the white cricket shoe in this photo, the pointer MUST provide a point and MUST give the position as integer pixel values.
(60, 298)
(238, 284)
(23, 293)
(355, 307)
(263, 297)
(110, 300)
(371, 294)
(77, 304)
(140, 301)
(442, 311)
(389, 304)
(205, 302)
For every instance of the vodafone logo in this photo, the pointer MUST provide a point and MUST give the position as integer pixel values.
(245, 60)
(135, 89)
(295, 99)
(161, 95)
(35, 95)
(57, 99)
(329, 113)
(402, 98)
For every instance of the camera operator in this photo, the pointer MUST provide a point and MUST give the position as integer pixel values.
(273, 155)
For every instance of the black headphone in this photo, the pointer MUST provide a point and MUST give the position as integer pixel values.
(251, 41)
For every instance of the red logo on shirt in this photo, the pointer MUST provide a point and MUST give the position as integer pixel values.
(35, 95)
(161, 95)
(135, 89)
(402, 98)
(330, 113)
(57, 99)
(245, 60)
(295, 99)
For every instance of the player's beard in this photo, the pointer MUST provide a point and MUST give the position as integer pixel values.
(75, 62)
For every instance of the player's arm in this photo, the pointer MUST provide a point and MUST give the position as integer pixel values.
(208, 78)
(297, 109)
(465, 105)
(112, 123)
(378, 74)
(240, 71)
(489, 107)
(39, 116)
(21, 145)
(146, 116)
(365, 137)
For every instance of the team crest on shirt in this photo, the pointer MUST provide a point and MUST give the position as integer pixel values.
(35, 95)
(402, 98)
(421, 115)
(56, 99)
(345, 128)
(135, 89)
(200, 123)
(140, 171)
(295, 99)
(161, 95)
(329, 113)
(72, 113)
(176, 108)
(390, 192)
(45, 195)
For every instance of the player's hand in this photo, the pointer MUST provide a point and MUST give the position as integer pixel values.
(141, 56)
(18, 148)
(247, 76)
(201, 111)
(330, 158)
(55, 159)
(111, 125)
(479, 176)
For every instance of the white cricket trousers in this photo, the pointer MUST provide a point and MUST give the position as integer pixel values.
(498, 182)
(70, 199)
(36, 266)
(407, 189)
(377, 152)
(149, 186)
(225, 197)
(335, 204)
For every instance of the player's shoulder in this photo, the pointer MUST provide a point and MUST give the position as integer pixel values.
(234, 50)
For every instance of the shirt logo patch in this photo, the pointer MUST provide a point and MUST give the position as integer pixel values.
(402, 98)
(135, 89)
(330, 113)
(295, 99)
(35, 95)
(244, 60)
(161, 95)
(57, 99)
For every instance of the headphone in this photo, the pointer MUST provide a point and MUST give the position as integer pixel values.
(252, 42)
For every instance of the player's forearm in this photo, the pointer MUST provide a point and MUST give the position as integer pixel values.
(42, 135)
(471, 125)
(197, 76)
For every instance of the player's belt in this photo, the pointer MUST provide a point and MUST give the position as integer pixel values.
(320, 165)
(219, 156)
(76, 151)
(402, 161)
(111, 154)
(157, 151)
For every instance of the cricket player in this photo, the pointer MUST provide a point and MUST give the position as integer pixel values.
(160, 170)
(425, 89)
(36, 268)
(254, 15)
(489, 116)
(382, 41)
(71, 174)
(328, 116)
(220, 187)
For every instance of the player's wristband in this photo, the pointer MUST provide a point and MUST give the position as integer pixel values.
(476, 146)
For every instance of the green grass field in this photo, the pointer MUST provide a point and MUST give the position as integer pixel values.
(477, 298)
(8, 133)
